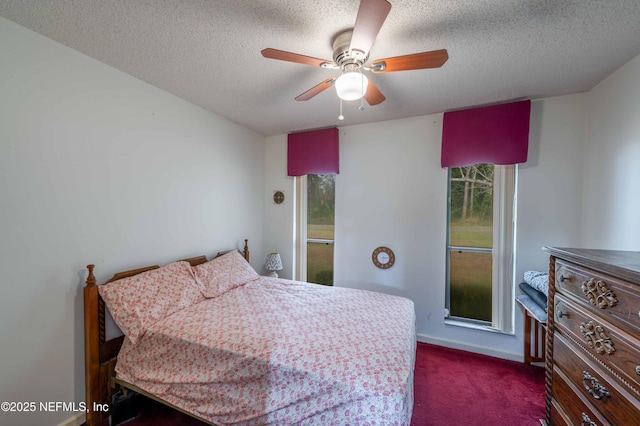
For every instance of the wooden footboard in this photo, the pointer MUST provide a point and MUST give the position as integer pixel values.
(100, 355)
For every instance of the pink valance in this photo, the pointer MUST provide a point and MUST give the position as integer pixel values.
(497, 134)
(313, 152)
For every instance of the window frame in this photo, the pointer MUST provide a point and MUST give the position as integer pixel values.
(503, 254)
(300, 230)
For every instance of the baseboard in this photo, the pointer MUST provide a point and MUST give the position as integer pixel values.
(76, 420)
(470, 348)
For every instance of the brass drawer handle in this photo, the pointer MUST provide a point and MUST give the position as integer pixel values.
(594, 387)
(599, 294)
(586, 421)
(597, 338)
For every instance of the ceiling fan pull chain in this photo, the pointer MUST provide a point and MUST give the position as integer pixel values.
(341, 117)
(362, 98)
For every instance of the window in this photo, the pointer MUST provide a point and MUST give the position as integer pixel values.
(480, 246)
(315, 228)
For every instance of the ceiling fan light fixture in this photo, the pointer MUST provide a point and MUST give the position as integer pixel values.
(351, 85)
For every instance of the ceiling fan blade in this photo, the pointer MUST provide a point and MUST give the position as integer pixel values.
(417, 61)
(373, 96)
(316, 89)
(294, 57)
(371, 16)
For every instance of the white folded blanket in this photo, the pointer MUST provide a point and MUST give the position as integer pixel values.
(538, 280)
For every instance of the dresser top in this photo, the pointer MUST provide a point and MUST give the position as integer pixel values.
(621, 264)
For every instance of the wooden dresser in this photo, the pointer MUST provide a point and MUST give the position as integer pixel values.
(593, 338)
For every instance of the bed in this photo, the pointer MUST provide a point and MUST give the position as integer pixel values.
(236, 348)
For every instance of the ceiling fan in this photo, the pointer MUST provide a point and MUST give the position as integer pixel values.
(351, 53)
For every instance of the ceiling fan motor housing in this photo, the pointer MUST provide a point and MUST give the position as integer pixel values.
(347, 60)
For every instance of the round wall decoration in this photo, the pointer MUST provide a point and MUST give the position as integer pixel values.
(278, 197)
(383, 257)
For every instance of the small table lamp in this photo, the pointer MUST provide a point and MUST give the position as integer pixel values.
(274, 263)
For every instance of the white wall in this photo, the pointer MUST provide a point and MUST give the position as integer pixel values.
(278, 218)
(611, 196)
(391, 191)
(580, 187)
(550, 182)
(98, 167)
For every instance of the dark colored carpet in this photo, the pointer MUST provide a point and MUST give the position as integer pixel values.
(452, 388)
(455, 387)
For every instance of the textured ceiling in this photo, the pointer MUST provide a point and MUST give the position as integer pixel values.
(208, 52)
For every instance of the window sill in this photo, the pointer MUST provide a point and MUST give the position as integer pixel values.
(475, 326)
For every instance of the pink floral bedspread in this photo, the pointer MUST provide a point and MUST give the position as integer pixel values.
(282, 352)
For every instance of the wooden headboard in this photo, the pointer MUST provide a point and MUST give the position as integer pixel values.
(100, 355)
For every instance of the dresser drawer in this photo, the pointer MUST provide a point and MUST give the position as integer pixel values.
(593, 350)
(557, 416)
(573, 409)
(608, 297)
(594, 387)
(610, 346)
